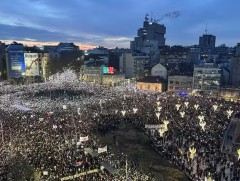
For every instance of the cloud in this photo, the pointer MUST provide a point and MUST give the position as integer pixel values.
(104, 22)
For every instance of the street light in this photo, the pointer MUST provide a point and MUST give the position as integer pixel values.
(135, 110)
(182, 114)
(123, 112)
(177, 106)
(215, 107)
(196, 106)
(202, 124)
(192, 152)
(158, 114)
(229, 113)
(201, 118)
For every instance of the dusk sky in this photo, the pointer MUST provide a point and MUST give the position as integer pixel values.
(114, 23)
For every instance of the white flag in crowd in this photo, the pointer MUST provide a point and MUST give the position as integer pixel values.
(102, 150)
(82, 139)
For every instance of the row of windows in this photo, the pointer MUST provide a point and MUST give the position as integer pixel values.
(179, 88)
(148, 87)
(183, 83)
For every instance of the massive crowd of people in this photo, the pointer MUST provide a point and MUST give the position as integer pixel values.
(63, 110)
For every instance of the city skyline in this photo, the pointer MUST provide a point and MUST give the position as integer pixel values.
(115, 23)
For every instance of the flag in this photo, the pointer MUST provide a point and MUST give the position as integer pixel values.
(102, 150)
(83, 138)
(78, 163)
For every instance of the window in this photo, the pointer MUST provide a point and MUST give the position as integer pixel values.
(177, 82)
(171, 82)
(171, 87)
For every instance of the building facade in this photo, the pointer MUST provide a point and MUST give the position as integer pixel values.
(149, 38)
(235, 67)
(206, 80)
(207, 42)
(180, 83)
(15, 62)
(3, 68)
(230, 93)
(152, 83)
(113, 79)
(134, 65)
(151, 31)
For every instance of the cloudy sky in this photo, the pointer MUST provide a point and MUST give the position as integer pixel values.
(114, 23)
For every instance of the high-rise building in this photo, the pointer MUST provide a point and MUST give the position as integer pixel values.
(149, 39)
(235, 67)
(2, 61)
(151, 31)
(206, 80)
(15, 61)
(207, 42)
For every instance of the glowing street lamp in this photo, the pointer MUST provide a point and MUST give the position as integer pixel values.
(123, 112)
(238, 151)
(186, 104)
(135, 110)
(177, 106)
(159, 108)
(215, 107)
(196, 106)
(202, 124)
(229, 113)
(201, 118)
(162, 130)
(78, 111)
(158, 103)
(165, 122)
(116, 111)
(182, 114)
(158, 114)
(192, 152)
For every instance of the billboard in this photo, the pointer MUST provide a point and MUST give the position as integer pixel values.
(32, 64)
(16, 64)
(108, 70)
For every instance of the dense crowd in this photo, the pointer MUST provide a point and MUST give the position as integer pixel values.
(46, 138)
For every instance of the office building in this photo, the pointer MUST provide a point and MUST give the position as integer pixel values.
(235, 67)
(3, 68)
(15, 62)
(152, 83)
(180, 84)
(151, 31)
(149, 39)
(206, 80)
(134, 65)
(99, 73)
(207, 42)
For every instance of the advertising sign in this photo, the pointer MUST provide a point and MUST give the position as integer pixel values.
(16, 63)
(32, 64)
(108, 70)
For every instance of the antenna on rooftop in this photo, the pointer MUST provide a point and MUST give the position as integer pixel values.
(146, 17)
(151, 17)
(206, 30)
